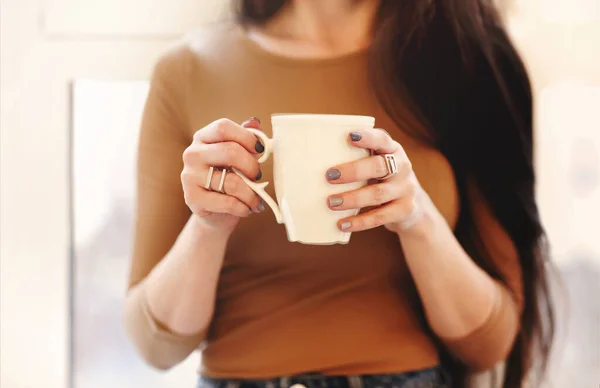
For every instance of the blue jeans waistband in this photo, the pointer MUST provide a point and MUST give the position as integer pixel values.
(427, 378)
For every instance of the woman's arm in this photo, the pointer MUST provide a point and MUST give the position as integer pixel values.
(173, 258)
(177, 256)
(476, 316)
(168, 313)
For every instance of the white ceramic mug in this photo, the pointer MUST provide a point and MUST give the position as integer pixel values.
(305, 146)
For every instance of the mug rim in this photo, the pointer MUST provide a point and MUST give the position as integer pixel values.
(339, 118)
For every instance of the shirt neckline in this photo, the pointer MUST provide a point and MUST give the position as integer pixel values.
(260, 51)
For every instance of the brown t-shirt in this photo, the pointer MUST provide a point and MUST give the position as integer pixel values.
(284, 308)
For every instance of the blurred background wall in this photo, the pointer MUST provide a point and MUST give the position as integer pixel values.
(45, 45)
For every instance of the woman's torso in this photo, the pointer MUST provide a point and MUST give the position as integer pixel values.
(284, 308)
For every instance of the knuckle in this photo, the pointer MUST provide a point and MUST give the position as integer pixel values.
(222, 123)
(232, 183)
(188, 155)
(358, 223)
(387, 141)
(378, 193)
(379, 219)
(382, 134)
(198, 134)
(232, 151)
(222, 127)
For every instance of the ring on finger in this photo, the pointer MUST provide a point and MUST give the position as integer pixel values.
(221, 188)
(211, 171)
(390, 164)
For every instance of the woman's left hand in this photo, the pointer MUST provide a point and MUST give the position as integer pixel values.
(395, 199)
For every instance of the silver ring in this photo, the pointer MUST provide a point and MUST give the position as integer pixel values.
(221, 188)
(390, 164)
(211, 170)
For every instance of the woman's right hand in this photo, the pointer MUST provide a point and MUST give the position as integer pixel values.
(222, 144)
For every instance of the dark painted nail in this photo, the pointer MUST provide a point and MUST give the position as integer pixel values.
(355, 136)
(345, 225)
(260, 207)
(254, 118)
(259, 147)
(259, 175)
(333, 174)
(335, 201)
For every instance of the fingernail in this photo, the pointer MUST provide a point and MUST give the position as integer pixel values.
(346, 225)
(258, 176)
(335, 201)
(260, 207)
(254, 118)
(250, 211)
(333, 174)
(355, 136)
(259, 147)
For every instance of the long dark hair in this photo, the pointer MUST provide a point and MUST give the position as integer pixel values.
(446, 72)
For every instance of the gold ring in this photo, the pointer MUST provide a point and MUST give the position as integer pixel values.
(211, 170)
(221, 188)
(390, 164)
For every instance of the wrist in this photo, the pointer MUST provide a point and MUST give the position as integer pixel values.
(206, 232)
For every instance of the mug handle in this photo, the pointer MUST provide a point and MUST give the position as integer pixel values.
(259, 187)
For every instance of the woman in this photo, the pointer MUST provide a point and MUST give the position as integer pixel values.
(445, 272)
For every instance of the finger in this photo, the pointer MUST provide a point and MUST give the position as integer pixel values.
(232, 185)
(386, 214)
(224, 204)
(372, 195)
(357, 171)
(225, 130)
(372, 167)
(235, 186)
(227, 154)
(201, 201)
(252, 122)
(374, 139)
